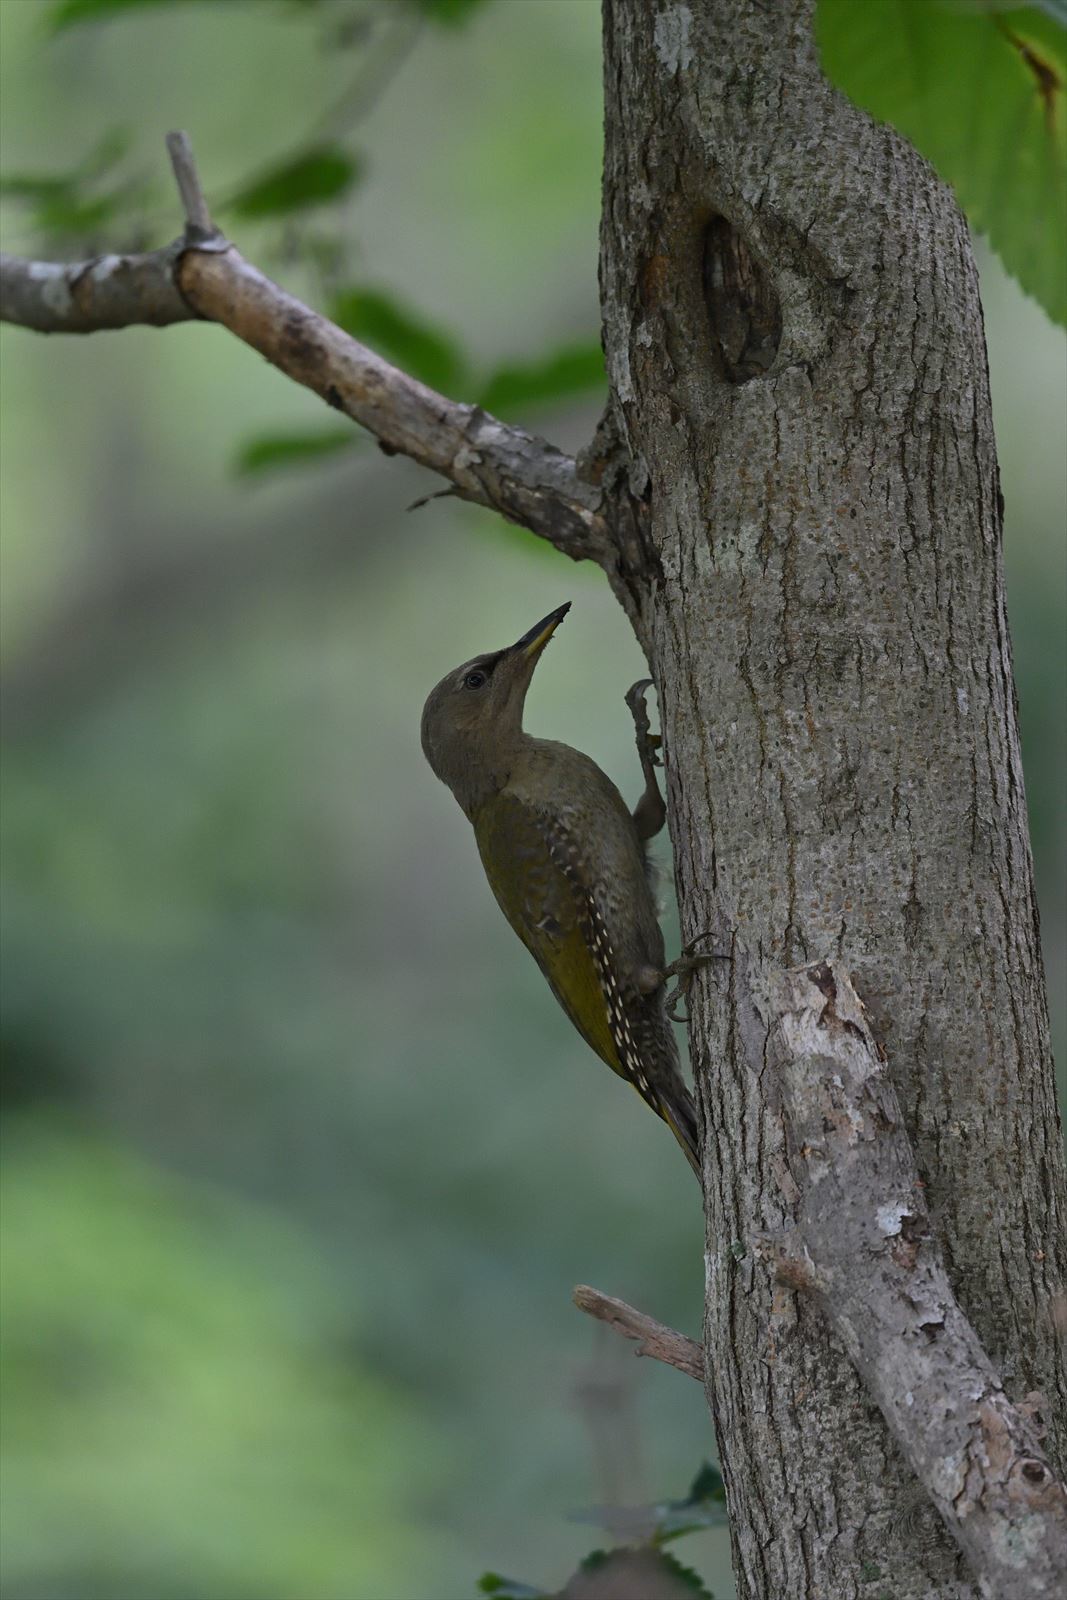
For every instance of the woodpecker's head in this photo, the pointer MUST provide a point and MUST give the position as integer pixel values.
(472, 721)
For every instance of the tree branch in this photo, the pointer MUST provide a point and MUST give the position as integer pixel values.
(88, 296)
(864, 1249)
(653, 1338)
(487, 462)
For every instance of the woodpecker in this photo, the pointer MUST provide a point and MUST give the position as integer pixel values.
(566, 861)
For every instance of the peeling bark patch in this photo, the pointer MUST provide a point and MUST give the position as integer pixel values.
(890, 1218)
(743, 306)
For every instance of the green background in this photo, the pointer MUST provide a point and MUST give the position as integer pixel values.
(300, 1160)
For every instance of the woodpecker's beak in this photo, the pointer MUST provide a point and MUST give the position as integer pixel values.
(531, 644)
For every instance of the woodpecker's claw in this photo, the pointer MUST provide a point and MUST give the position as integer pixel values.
(650, 813)
(670, 1005)
(635, 699)
(684, 968)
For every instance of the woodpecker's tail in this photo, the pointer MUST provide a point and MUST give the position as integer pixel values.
(679, 1112)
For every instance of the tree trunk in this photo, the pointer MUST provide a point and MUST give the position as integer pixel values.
(801, 439)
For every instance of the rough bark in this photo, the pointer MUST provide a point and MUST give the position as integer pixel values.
(801, 418)
(865, 1249)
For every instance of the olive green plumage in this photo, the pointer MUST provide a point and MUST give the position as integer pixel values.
(565, 860)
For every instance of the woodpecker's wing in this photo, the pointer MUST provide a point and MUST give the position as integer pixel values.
(533, 869)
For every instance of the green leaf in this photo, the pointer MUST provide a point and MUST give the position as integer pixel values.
(707, 1485)
(310, 179)
(703, 1507)
(981, 94)
(577, 369)
(507, 1589)
(269, 451)
(72, 216)
(647, 1562)
(450, 13)
(1056, 9)
(22, 186)
(687, 1575)
(68, 12)
(408, 340)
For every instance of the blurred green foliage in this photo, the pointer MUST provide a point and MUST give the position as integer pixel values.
(186, 1413)
(409, 341)
(640, 1533)
(507, 1588)
(666, 1520)
(520, 386)
(607, 1573)
(71, 209)
(271, 450)
(449, 12)
(65, 13)
(312, 178)
(289, 1119)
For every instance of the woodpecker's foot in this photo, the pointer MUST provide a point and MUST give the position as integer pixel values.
(650, 813)
(689, 962)
(647, 742)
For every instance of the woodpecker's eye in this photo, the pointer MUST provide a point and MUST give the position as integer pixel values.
(474, 680)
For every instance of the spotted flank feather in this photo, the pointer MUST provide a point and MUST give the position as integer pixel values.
(534, 866)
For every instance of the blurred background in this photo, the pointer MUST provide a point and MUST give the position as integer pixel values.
(301, 1162)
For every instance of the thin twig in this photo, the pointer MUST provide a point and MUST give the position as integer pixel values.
(653, 1338)
(198, 223)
